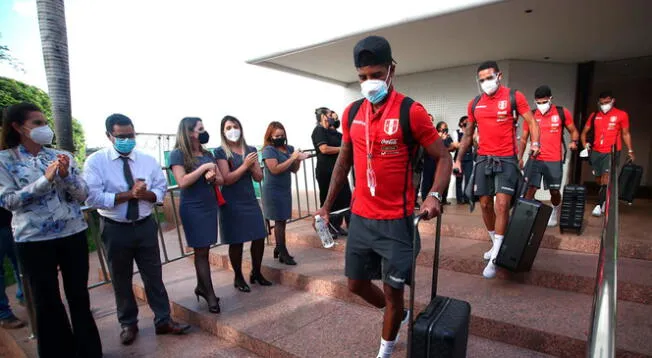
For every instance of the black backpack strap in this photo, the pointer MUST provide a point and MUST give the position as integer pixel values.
(512, 103)
(404, 121)
(355, 107)
(562, 118)
(414, 151)
(474, 104)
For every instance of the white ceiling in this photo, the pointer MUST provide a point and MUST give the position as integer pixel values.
(567, 31)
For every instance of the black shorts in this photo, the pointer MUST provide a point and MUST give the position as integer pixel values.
(502, 182)
(601, 162)
(380, 249)
(551, 172)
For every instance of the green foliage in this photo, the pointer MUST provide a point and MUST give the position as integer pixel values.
(12, 92)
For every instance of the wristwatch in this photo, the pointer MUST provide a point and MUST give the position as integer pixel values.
(436, 195)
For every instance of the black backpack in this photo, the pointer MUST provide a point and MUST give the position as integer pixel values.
(512, 103)
(415, 151)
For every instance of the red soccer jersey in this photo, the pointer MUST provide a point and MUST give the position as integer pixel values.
(495, 120)
(390, 159)
(550, 131)
(607, 129)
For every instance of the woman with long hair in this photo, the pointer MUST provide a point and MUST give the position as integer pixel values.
(44, 190)
(327, 142)
(280, 160)
(241, 218)
(196, 173)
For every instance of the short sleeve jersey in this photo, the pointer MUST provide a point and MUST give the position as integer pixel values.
(390, 157)
(550, 131)
(495, 120)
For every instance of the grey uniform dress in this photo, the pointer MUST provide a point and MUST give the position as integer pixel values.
(241, 217)
(277, 189)
(198, 208)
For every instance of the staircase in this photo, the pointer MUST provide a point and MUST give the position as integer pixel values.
(310, 313)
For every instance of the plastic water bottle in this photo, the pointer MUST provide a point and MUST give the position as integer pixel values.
(324, 234)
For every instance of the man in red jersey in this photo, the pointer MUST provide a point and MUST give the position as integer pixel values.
(496, 172)
(549, 163)
(379, 245)
(608, 124)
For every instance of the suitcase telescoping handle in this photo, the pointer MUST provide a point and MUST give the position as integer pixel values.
(435, 269)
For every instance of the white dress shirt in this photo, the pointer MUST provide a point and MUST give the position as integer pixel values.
(104, 174)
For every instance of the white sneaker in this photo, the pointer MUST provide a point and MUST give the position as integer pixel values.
(487, 255)
(597, 211)
(552, 222)
(490, 270)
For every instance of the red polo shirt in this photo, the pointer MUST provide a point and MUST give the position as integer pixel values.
(495, 120)
(390, 159)
(607, 129)
(550, 131)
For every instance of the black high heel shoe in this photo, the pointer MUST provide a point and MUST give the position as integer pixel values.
(277, 253)
(241, 285)
(259, 279)
(211, 309)
(284, 256)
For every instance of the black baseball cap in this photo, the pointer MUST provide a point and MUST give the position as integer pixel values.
(371, 51)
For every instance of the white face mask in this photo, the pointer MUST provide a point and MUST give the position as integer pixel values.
(375, 90)
(543, 107)
(489, 86)
(606, 107)
(42, 135)
(233, 134)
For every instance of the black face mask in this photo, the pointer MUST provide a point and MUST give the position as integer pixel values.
(336, 123)
(279, 142)
(203, 137)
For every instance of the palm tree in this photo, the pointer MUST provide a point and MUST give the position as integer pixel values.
(54, 43)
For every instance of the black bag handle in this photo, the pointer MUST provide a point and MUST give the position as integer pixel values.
(435, 271)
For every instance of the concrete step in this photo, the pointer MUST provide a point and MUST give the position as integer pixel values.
(634, 241)
(545, 320)
(196, 343)
(283, 321)
(558, 269)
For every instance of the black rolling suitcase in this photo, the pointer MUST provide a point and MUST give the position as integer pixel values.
(628, 182)
(571, 217)
(442, 329)
(527, 224)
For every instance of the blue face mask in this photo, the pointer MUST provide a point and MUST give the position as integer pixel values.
(124, 145)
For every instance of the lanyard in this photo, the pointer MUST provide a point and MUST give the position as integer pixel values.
(371, 175)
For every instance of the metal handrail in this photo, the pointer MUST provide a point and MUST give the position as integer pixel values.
(602, 333)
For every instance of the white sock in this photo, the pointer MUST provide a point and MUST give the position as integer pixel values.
(496, 247)
(386, 348)
(492, 234)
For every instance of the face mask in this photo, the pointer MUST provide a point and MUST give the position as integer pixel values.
(279, 142)
(331, 122)
(203, 137)
(489, 86)
(336, 123)
(42, 135)
(543, 107)
(233, 135)
(375, 90)
(124, 145)
(606, 107)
